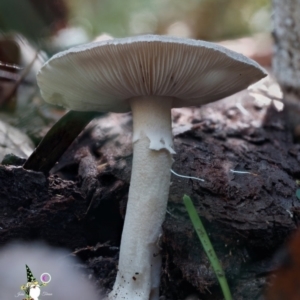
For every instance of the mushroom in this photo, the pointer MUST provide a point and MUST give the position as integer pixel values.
(148, 75)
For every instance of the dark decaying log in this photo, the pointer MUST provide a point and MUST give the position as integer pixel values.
(286, 59)
(248, 215)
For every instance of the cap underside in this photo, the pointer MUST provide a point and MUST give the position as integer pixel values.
(103, 76)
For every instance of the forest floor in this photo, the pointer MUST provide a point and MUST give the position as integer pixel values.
(240, 146)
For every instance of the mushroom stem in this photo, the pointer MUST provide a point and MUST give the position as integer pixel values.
(140, 260)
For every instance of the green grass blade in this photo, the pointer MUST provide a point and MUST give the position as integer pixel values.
(208, 248)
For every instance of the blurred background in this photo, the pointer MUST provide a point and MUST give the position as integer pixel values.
(200, 19)
(77, 21)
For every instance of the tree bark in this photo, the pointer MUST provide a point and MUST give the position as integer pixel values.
(286, 61)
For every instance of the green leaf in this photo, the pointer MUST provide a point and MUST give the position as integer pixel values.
(207, 246)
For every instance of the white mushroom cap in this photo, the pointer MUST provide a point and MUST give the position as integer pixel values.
(102, 76)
